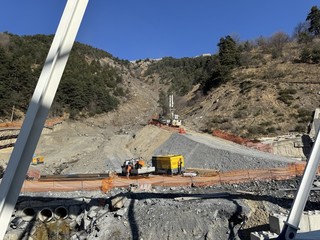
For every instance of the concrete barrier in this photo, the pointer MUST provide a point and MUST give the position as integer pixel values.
(310, 221)
(314, 220)
(262, 235)
(276, 222)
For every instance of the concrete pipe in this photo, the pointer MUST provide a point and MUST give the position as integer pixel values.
(61, 212)
(28, 214)
(45, 215)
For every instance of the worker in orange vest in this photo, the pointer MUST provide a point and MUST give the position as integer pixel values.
(129, 167)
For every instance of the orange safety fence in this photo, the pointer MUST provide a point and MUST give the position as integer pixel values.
(172, 129)
(236, 176)
(172, 181)
(243, 141)
(231, 177)
(61, 186)
(17, 124)
(230, 137)
(50, 123)
(155, 180)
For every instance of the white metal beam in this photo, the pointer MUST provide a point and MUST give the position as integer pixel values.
(38, 109)
(291, 226)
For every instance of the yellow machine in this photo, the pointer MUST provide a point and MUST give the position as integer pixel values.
(37, 160)
(169, 164)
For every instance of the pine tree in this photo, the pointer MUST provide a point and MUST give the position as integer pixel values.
(228, 52)
(314, 19)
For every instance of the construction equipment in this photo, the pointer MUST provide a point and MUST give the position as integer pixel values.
(37, 160)
(136, 166)
(174, 118)
(175, 121)
(169, 164)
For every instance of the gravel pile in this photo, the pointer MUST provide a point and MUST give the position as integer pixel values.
(215, 153)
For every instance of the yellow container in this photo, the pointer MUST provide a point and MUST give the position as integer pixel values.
(168, 164)
(37, 160)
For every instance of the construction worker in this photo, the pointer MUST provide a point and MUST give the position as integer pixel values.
(179, 166)
(129, 167)
(138, 165)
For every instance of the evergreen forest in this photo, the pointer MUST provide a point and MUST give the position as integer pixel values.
(87, 86)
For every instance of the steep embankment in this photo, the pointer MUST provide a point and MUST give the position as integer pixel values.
(205, 151)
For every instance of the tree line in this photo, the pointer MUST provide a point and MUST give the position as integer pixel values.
(86, 86)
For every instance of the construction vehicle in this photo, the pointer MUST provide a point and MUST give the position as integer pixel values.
(161, 164)
(37, 160)
(172, 120)
(136, 166)
(168, 164)
(175, 121)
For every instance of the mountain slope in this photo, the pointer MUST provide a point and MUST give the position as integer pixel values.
(265, 96)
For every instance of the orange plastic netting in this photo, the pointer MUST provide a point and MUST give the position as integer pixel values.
(237, 176)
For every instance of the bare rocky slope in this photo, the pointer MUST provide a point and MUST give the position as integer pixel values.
(102, 143)
(266, 96)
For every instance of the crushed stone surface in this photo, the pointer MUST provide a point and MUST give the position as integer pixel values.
(204, 151)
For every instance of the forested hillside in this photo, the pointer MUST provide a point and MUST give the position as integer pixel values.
(87, 86)
(265, 86)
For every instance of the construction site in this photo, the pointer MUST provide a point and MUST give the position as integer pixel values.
(214, 188)
(130, 175)
(139, 172)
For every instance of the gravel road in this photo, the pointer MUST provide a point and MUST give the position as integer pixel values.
(205, 151)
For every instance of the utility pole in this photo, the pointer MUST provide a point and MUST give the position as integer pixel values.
(38, 109)
(11, 119)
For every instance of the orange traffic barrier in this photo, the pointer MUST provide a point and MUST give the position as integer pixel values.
(106, 184)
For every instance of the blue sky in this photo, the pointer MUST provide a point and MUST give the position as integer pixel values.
(157, 28)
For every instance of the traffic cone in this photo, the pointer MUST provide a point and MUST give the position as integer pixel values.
(182, 131)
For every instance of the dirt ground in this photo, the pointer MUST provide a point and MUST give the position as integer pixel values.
(163, 213)
(101, 144)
